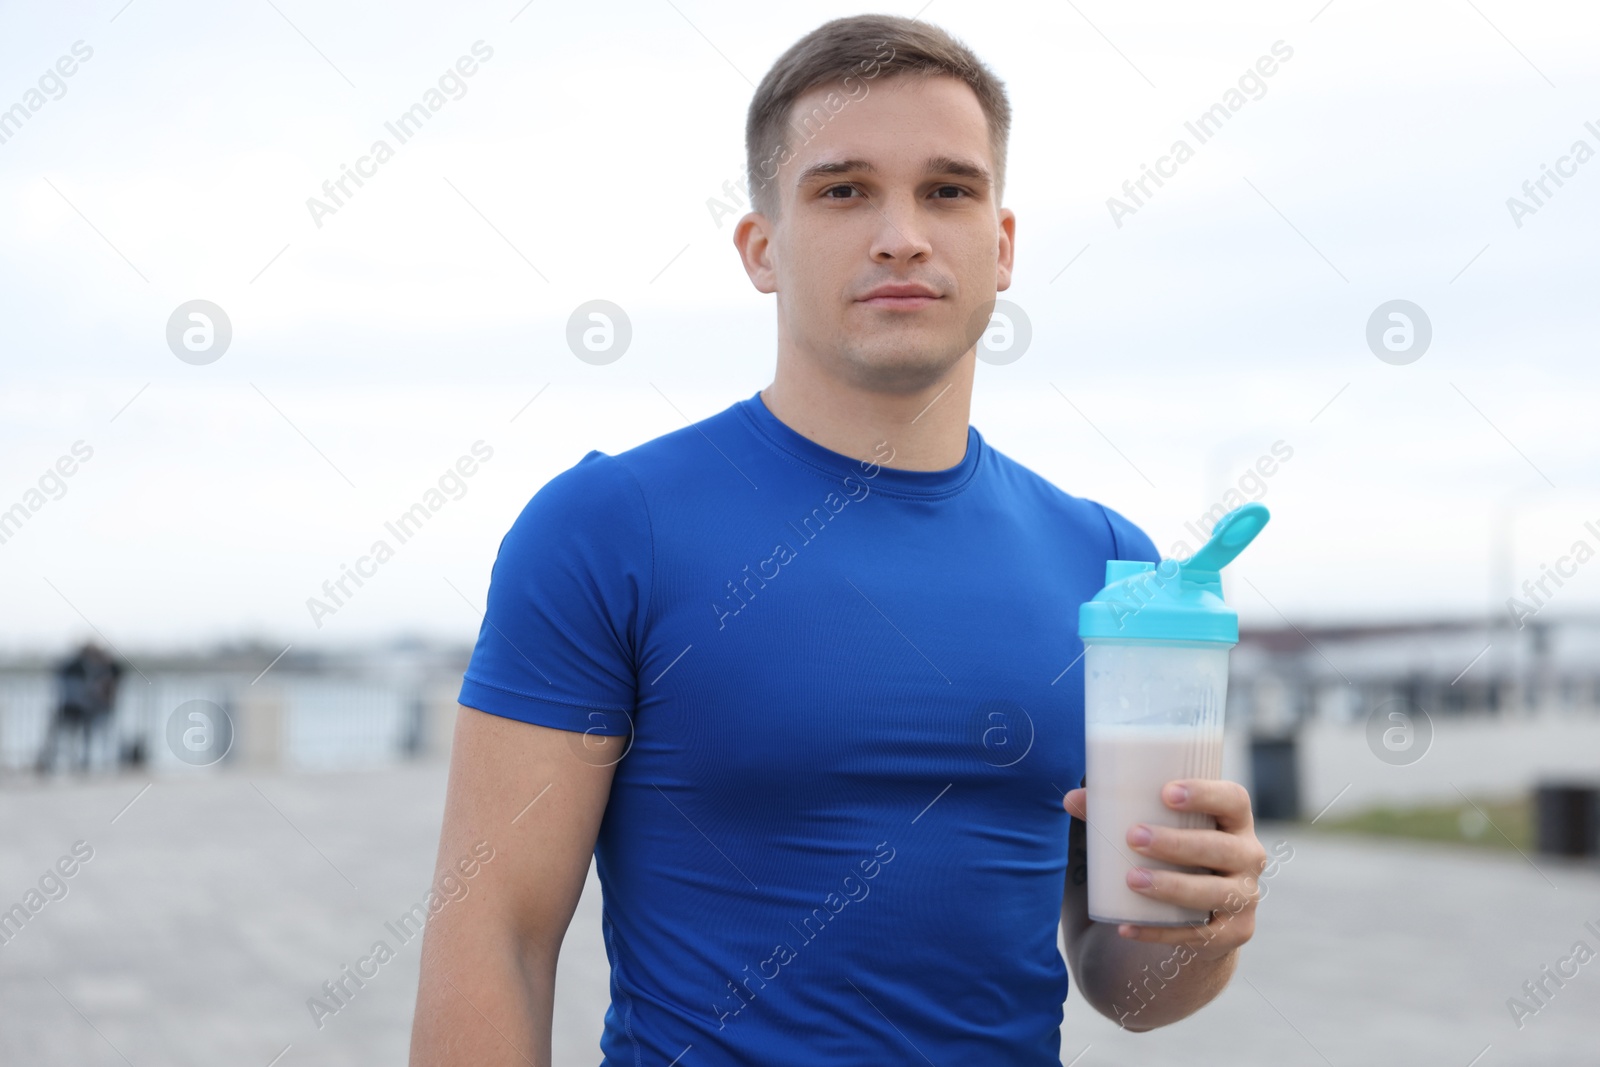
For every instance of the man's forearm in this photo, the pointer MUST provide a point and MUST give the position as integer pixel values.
(1143, 985)
(488, 1007)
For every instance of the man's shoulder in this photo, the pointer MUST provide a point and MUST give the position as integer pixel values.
(1028, 488)
(1124, 538)
(681, 447)
(600, 484)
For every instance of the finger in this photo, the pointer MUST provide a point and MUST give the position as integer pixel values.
(1222, 932)
(1226, 854)
(1074, 802)
(1203, 892)
(1228, 801)
(1165, 935)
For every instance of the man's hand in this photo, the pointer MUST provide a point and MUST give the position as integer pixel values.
(1231, 852)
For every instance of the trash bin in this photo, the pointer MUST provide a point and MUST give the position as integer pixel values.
(1567, 817)
(1275, 778)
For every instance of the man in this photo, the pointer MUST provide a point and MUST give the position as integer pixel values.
(86, 695)
(801, 675)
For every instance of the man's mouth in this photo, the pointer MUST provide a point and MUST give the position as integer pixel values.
(900, 297)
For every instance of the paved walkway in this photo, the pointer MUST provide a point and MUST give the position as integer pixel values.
(214, 906)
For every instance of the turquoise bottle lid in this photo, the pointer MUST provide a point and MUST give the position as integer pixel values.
(1173, 600)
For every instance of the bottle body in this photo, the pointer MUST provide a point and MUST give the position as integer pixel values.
(1153, 713)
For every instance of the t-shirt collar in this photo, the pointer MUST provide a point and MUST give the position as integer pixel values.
(906, 482)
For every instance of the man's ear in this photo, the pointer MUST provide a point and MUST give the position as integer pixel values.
(753, 238)
(1007, 239)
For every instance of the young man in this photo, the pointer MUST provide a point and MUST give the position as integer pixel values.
(797, 674)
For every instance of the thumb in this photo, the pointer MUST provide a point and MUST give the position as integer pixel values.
(1074, 801)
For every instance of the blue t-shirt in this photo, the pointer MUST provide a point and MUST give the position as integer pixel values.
(855, 704)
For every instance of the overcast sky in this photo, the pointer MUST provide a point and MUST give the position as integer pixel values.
(373, 345)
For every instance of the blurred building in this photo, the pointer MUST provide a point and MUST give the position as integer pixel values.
(1424, 711)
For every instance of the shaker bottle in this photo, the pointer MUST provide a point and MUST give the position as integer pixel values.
(1156, 643)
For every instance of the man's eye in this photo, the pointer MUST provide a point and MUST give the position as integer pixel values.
(836, 188)
(953, 189)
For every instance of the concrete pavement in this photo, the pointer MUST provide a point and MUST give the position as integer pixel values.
(214, 905)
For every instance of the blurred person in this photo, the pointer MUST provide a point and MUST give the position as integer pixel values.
(786, 674)
(86, 693)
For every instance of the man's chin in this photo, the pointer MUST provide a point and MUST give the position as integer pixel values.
(903, 366)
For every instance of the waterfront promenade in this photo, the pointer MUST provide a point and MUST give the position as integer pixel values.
(215, 905)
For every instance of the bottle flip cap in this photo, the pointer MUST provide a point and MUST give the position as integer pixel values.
(1175, 600)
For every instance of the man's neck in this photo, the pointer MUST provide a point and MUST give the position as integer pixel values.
(926, 428)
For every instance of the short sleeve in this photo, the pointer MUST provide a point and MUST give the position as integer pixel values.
(1127, 540)
(567, 601)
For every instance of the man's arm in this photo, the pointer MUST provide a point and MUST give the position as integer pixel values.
(1145, 977)
(487, 988)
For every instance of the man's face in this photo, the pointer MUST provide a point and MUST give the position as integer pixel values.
(895, 189)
